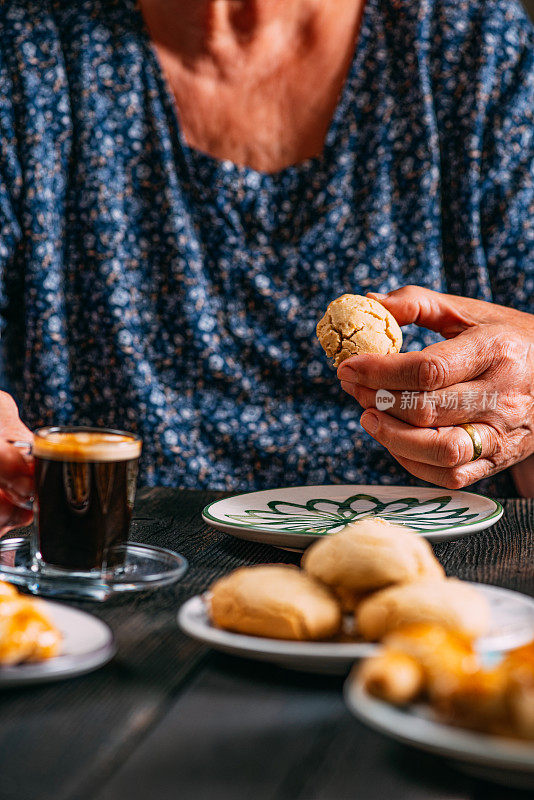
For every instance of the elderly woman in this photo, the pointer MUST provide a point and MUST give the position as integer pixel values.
(186, 184)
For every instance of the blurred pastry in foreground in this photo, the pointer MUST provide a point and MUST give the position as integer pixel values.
(7, 591)
(518, 667)
(446, 657)
(276, 601)
(448, 602)
(420, 658)
(355, 324)
(392, 676)
(498, 700)
(443, 653)
(26, 631)
(429, 662)
(367, 555)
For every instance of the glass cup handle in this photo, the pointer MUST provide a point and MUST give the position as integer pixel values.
(28, 446)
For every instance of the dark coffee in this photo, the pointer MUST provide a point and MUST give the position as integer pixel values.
(85, 488)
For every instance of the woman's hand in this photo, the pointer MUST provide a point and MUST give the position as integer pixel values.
(482, 374)
(16, 468)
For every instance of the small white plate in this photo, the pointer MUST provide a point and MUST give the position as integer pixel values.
(491, 757)
(512, 624)
(295, 517)
(87, 644)
(324, 657)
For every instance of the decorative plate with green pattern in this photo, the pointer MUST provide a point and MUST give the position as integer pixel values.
(295, 517)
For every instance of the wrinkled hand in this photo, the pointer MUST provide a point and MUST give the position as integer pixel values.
(482, 374)
(16, 469)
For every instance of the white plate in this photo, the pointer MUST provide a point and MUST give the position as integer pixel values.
(295, 517)
(490, 757)
(327, 657)
(512, 624)
(87, 644)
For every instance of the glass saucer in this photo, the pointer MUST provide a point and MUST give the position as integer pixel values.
(144, 567)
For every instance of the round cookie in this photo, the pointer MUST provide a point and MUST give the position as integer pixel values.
(277, 601)
(368, 555)
(449, 602)
(354, 324)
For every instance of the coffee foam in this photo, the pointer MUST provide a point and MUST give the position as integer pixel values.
(86, 446)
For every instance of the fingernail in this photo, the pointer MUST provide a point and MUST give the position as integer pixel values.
(369, 422)
(381, 295)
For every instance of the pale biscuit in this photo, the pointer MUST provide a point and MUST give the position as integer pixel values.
(370, 554)
(354, 324)
(449, 602)
(277, 601)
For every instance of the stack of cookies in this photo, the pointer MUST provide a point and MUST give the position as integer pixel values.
(384, 576)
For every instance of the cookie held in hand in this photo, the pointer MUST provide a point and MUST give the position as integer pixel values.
(354, 324)
(276, 601)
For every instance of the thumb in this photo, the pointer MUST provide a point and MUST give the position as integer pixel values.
(445, 313)
(11, 425)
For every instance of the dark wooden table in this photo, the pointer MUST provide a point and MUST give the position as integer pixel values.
(168, 718)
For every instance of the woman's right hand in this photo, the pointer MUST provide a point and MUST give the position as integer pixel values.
(16, 468)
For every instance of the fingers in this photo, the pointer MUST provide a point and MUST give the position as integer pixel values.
(456, 478)
(11, 516)
(461, 403)
(445, 313)
(16, 474)
(16, 466)
(11, 425)
(436, 367)
(444, 447)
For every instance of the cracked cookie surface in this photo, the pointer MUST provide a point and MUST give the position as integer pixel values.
(355, 324)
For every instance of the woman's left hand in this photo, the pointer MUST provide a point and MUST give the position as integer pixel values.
(482, 374)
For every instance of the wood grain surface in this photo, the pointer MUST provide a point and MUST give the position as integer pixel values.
(167, 719)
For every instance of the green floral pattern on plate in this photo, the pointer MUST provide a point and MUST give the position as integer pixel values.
(323, 516)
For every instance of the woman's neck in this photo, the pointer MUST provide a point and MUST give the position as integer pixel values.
(255, 81)
(219, 33)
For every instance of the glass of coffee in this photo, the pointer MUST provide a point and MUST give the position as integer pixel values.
(85, 480)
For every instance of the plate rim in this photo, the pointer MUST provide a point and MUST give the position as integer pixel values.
(209, 518)
(61, 666)
(264, 646)
(269, 646)
(461, 744)
(21, 576)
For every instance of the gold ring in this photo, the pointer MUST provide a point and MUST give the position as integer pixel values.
(475, 438)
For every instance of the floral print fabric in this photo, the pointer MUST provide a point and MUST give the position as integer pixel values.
(148, 286)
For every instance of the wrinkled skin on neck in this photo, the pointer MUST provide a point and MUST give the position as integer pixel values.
(255, 82)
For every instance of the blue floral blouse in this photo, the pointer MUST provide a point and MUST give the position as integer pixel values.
(148, 286)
